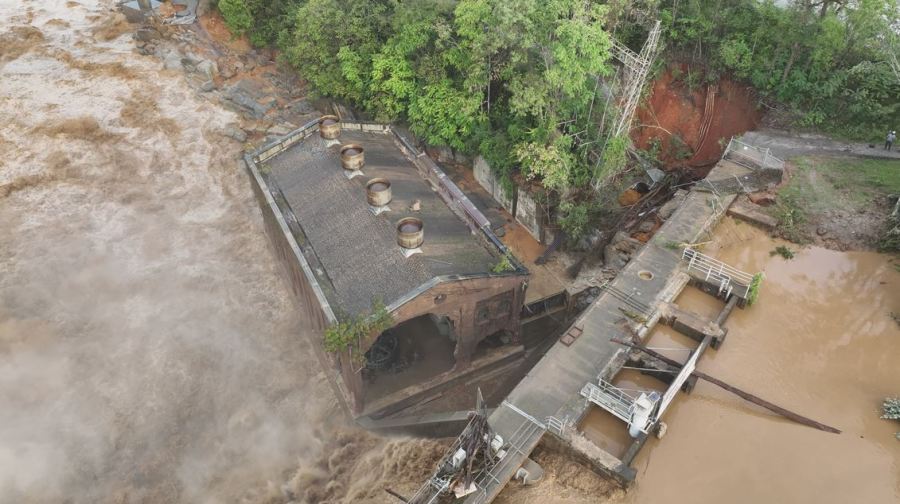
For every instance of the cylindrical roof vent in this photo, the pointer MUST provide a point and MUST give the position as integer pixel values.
(329, 127)
(378, 192)
(352, 157)
(410, 232)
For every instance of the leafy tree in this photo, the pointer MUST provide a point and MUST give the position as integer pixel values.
(574, 219)
(237, 15)
(551, 162)
(332, 43)
(828, 61)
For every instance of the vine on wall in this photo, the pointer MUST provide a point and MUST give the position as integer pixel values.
(348, 333)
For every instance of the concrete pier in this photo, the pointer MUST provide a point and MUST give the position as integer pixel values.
(549, 400)
(551, 389)
(692, 325)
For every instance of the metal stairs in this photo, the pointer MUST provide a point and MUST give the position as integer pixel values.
(610, 398)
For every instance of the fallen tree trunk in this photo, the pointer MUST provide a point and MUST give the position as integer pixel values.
(790, 415)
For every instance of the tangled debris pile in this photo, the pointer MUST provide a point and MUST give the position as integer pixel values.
(475, 451)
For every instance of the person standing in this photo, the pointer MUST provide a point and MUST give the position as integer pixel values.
(889, 141)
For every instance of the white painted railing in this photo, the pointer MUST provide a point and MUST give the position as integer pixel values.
(714, 269)
(747, 155)
(676, 384)
(558, 426)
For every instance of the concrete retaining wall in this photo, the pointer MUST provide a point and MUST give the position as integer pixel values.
(519, 202)
(491, 184)
(529, 213)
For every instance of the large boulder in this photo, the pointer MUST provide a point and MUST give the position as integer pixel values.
(172, 61)
(620, 250)
(247, 100)
(208, 69)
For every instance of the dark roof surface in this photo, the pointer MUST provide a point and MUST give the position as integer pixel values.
(357, 250)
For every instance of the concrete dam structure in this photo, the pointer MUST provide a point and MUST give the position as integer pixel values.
(447, 298)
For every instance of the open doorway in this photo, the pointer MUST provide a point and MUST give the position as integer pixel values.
(496, 340)
(408, 354)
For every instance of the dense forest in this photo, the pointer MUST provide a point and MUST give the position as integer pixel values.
(524, 82)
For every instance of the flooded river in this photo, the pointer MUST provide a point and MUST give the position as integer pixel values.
(821, 342)
(148, 351)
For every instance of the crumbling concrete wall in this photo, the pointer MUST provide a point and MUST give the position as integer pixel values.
(491, 183)
(530, 213)
(519, 202)
(751, 181)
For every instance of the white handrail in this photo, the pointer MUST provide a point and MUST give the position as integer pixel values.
(711, 267)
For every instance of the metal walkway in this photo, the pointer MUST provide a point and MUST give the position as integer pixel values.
(718, 273)
(611, 398)
(521, 443)
(552, 390)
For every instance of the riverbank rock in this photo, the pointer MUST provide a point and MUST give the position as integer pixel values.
(670, 206)
(208, 69)
(620, 250)
(172, 61)
(146, 34)
(247, 100)
(234, 131)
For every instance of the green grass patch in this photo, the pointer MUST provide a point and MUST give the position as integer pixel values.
(819, 185)
(791, 214)
(821, 182)
(857, 178)
(783, 252)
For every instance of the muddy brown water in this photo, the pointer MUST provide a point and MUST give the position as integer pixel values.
(820, 341)
(149, 351)
(607, 431)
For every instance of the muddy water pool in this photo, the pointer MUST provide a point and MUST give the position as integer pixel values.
(820, 341)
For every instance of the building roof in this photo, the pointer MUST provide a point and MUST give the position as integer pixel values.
(353, 252)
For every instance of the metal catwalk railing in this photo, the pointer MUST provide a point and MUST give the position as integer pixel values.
(517, 451)
(751, 156)
(713, 269)
(610, 398)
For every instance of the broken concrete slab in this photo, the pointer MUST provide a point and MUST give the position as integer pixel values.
(746, 211)
(690, 324)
